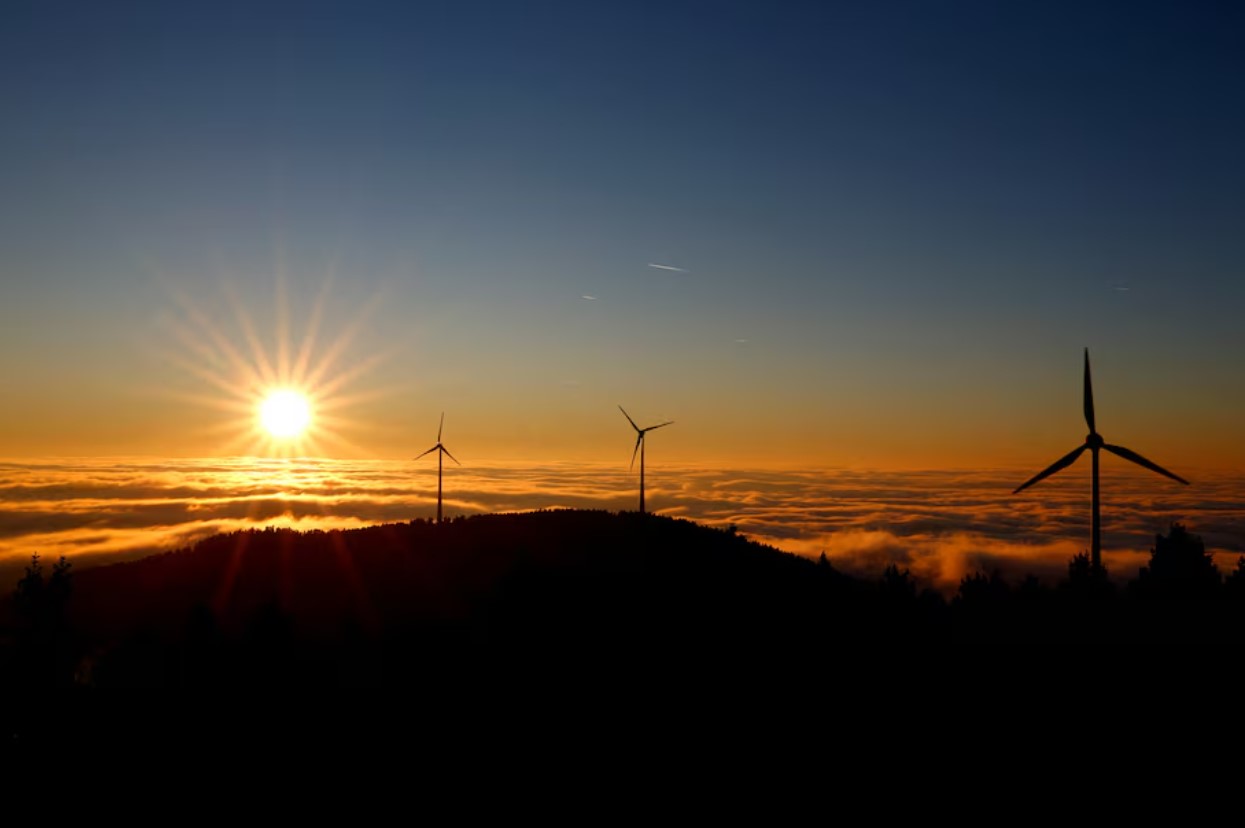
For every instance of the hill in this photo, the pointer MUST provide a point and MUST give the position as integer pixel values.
(590, 601)
(509, 628)
(565, 591)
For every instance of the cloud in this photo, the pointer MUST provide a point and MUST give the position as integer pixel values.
(589, 298)
(940, 525)
(669, 267)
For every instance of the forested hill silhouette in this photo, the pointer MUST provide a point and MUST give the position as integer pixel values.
(594, 601)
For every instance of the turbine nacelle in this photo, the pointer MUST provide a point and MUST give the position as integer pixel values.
(640, 434)
(1094, 442)
(441, 450)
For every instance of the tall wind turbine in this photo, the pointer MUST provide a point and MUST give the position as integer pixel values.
(1094, 442)
(441, 451)
(639, 447)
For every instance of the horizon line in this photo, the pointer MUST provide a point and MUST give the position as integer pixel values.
(510, 461)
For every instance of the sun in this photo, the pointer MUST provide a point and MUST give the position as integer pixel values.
(284, 396)
(285, 413)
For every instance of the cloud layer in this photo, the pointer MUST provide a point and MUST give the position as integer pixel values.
(940, 525)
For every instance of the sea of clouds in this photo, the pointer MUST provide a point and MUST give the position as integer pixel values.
(941, 525)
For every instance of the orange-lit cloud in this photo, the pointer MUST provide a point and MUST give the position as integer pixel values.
(940, 525)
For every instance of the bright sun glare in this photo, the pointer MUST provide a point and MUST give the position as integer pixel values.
(285, 413)
(285, 396)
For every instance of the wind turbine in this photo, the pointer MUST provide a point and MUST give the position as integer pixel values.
(441, 451)
(1094, 442)
(639, 447)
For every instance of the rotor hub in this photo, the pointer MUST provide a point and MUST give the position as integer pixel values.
(1094, 440)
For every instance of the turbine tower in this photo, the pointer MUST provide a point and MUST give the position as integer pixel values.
(1094, 442)
(441, 451)
(639, 447)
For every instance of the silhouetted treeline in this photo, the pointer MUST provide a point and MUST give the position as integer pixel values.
(585, 601)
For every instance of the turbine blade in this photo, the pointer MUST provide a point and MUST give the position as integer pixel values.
(636, 451)
(660, 425)
(1062, 463)
(1141, 461)
(628, 416)
(447, 452)
(1089, 397)
(441, 427)
(429, 451)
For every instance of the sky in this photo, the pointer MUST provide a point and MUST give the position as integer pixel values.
(886, 231)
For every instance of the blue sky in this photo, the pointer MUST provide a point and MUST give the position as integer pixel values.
(915, 214)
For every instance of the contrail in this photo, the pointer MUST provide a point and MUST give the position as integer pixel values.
(589, 298)
(669, 267)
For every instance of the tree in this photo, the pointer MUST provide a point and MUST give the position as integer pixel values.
(42, 602)
(1234, 583)
(898, 587)
(1086, 581)
(28, 597)
(45, 657)
(1180, 568)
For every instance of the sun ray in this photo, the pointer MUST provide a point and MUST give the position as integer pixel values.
(313, 329)
(262, 365)
(283, 324)
(204, 374)
(293, 404)
(342, 342)
(237, 361)
(223, 595)
(356, 398)
(353, 373)
(364, 606)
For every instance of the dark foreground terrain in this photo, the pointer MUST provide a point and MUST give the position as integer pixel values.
(515, 613)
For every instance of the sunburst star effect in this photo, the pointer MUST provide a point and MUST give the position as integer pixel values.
(282, 396)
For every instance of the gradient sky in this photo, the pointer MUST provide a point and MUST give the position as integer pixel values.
(899, 223)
